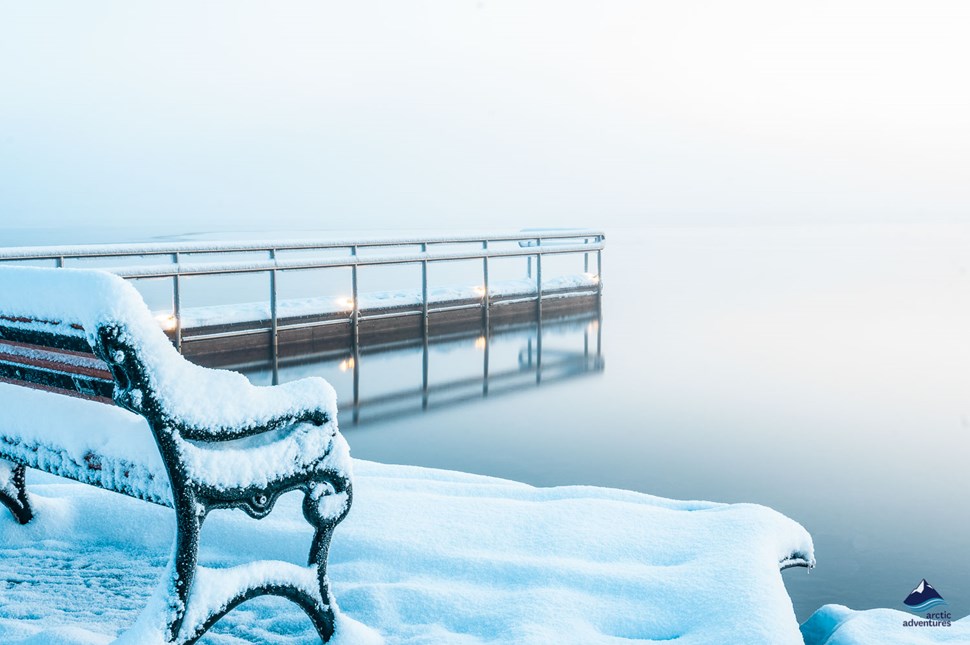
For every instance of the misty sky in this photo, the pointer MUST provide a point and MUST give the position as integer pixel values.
(482, 114)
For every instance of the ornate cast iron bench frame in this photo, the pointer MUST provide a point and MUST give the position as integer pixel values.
(125, 379)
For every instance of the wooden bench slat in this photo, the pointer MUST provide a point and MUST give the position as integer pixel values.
(56, 390)
(66, 383)
(57, 360)
(53, 368)
(46, 335)
(80, 357)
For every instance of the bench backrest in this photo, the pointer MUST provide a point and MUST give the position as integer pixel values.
(49, 325)
(88, 333)
(43, 362)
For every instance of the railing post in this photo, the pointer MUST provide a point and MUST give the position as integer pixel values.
(486, 297)
(599, 267)
(59, 263)
(355, 311)
(424, 329)
(355, 323)
(274, 320)
(177, 302)
(538, 279)
(599, 302)
(425, 349)
(586, 257)
(538, 311)
(424, 292)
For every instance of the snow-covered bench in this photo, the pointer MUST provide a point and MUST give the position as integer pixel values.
(198, 440)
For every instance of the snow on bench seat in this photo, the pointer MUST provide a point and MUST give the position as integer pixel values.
(93, 443)
(431, 557)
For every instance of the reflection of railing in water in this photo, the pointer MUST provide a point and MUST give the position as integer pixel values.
(535, 366)
(532, 365)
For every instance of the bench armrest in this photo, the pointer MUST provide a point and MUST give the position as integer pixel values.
(203, 404)
(250, 409)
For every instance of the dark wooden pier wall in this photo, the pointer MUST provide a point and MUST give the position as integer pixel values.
(251, 341)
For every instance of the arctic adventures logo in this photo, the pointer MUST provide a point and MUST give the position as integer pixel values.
(923, 598)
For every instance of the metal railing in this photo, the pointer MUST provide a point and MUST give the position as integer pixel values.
(183, 262)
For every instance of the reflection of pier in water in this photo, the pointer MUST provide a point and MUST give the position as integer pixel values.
(540, 358)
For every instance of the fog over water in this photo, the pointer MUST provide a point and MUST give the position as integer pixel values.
(239, 114)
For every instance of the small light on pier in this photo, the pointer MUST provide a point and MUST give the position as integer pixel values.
(481, 342)
(347, 364)
(480, 291)
(167, 321)
(593, 277)
(346, 303)
(593, 326)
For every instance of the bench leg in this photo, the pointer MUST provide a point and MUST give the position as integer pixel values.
(318, 511)
(326, 502)
(13, 494)
(188, 518)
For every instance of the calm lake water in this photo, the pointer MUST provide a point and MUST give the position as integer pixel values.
(824, 372)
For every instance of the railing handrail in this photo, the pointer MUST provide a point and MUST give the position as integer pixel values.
(78, 251)
(261, 266)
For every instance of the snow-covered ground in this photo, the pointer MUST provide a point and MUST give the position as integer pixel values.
(426, 556)
(839, 625)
